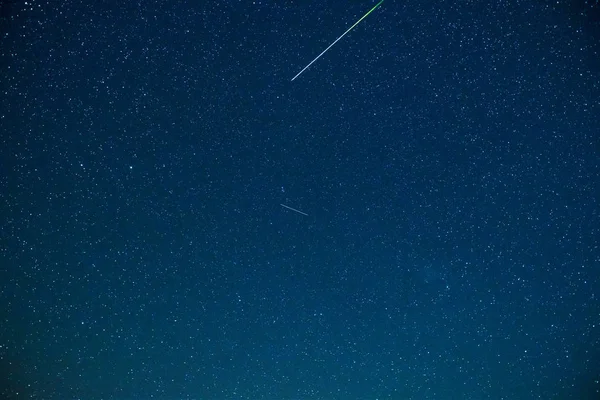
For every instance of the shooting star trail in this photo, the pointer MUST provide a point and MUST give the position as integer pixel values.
(293, 209)
(336, 40)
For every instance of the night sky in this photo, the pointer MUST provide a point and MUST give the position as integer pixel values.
(446, 155)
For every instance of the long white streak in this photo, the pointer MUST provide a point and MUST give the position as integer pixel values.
(336, 40)
(319, 56)
(293, 209)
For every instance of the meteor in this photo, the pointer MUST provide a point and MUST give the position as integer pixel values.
(293, 209)
(337, 40)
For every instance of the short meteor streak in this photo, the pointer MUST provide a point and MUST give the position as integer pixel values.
(293, 209)
(337, 40)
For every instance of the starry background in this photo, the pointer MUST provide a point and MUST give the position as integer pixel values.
(447, 156)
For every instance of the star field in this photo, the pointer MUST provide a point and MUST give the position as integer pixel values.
(446, 155)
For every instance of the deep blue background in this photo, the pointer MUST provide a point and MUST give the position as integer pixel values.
(447, 156)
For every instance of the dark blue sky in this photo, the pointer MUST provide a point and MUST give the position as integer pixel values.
(447, 156)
